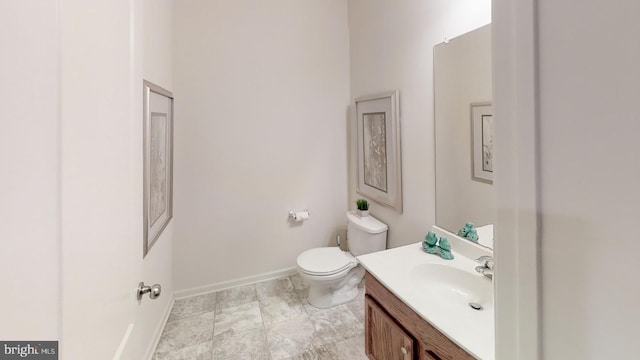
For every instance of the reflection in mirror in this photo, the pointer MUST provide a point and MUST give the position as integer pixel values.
(462, 80)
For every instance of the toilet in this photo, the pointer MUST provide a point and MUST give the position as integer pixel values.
(333, 275)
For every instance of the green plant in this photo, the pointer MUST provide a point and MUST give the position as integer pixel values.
(362, 204)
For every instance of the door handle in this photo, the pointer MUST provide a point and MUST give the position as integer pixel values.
(153, 291)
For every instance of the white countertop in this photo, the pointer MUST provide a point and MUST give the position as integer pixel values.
(470, 329)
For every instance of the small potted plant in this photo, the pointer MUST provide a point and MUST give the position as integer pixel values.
(363, 207)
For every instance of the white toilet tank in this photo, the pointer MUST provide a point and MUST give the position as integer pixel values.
(365, 234)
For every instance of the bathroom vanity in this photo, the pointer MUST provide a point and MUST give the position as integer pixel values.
(417, 306)
(394, 331)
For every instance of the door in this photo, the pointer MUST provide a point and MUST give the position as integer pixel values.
(101, 186)
(97, 175)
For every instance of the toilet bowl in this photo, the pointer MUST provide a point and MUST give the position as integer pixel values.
(333, 275)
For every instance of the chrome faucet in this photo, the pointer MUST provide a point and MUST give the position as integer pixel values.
(486, 268)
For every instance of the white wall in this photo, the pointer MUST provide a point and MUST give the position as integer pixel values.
(589, 124)
(462, 77)
(391, 47)
(29, 154)
(262, 92)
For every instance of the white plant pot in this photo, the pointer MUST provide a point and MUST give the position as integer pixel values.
(362, 213)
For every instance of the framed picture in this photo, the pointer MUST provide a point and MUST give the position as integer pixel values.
(378, 143)
(482, 142)
(158, 162)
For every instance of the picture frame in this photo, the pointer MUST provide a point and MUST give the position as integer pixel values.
(157, 163)
(378, 149)
(482, 142)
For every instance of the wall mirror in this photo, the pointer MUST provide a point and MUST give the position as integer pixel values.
(463, 134)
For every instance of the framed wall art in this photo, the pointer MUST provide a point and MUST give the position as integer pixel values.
(158, 162)
(378, 143)
(482, 142)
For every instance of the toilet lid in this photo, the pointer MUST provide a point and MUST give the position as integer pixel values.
(324, 261)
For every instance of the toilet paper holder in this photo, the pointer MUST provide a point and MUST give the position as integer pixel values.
(298, 216)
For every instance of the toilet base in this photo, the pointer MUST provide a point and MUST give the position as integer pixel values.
(323, 296)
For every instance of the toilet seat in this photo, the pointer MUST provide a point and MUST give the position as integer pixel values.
(325, 261)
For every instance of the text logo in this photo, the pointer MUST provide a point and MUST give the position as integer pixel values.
(30, 350)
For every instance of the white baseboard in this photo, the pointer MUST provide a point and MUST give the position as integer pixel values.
(181, 294)
(158, 331)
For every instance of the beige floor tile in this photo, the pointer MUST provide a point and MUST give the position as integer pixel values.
(236, 296)
(290, 338)
(273, 287)
(281, 307)
(237, 319)
(196, 352)
(193, 305)
(334, 324)
(271, 320)
(357, 308)
(349, 349)
(250, 345)
(321, 353)
(186, 332)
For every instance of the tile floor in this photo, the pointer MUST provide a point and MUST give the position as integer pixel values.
(270, 320)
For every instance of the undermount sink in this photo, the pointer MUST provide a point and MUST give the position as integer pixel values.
(453, 286)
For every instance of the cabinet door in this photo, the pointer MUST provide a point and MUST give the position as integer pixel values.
(429, 354)
(384, 339)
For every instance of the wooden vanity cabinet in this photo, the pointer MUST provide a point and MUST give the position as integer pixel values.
(385, 340)
(395, 332)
